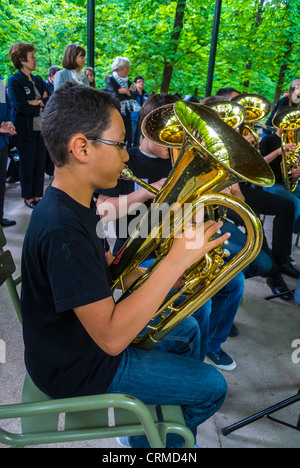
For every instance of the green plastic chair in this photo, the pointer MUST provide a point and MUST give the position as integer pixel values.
(46, 421)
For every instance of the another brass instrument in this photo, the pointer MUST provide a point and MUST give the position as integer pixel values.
(257, 108)
(209, 161)
(289, 121)
(233, 113)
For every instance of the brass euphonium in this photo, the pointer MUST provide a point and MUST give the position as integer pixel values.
(257, 107)
(233, 113)
(209, 161)
(289, 121)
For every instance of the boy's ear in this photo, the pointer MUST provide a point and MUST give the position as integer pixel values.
(78, 147)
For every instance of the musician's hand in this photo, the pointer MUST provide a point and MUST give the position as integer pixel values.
(195, 242)
(289, 146)
(249, 138)
(296, 172)
(158, 185)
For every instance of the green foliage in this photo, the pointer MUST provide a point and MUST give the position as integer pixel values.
(256, 38)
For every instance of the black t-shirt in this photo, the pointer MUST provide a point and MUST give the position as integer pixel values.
(267, 145)
(63, 266)
(146, 167)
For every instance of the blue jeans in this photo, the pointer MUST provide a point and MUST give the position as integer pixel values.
(172, 374)
(260, 266)
(279, 189)
(221, 310)
(216, 316)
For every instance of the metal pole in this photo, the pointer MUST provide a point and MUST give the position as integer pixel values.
(90, 33)
(213, 48)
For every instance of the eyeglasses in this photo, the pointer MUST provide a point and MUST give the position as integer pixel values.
(122, 145)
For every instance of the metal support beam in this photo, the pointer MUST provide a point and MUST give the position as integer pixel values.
(213, 48)
(90, 33)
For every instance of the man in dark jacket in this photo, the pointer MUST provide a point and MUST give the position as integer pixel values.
(6, 129)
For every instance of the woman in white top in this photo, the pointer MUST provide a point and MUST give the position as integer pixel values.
(73, 64)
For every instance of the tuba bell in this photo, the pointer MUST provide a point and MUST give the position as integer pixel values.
(257, 108)
(209, 161)
(232, 113)
(289, 121)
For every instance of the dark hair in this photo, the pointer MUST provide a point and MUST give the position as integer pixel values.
(52, 70)
(155, 101)
(226, 92)
(18, 52)
(90, 70)
(209, 99)
(69, 59)
(74, 109)
(139, 77)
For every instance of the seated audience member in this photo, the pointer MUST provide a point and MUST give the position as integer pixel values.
(73, 63)
(151, 163)
(77, 339)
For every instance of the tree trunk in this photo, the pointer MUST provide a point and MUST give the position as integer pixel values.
(282, 71)
(177, 28)
(258, 20)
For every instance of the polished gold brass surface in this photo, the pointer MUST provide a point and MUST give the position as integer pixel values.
(233, 113)
(212, 156)
(170, 132)
(257, 108)
(289, 121)
(127, 174)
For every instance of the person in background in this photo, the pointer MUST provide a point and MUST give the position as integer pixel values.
(49, 169)
(73, 63)
(50, 80)
(140, 96)
(90, 74)
(288, 99)
(6, 129)
(120, 87)
(28, 95)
